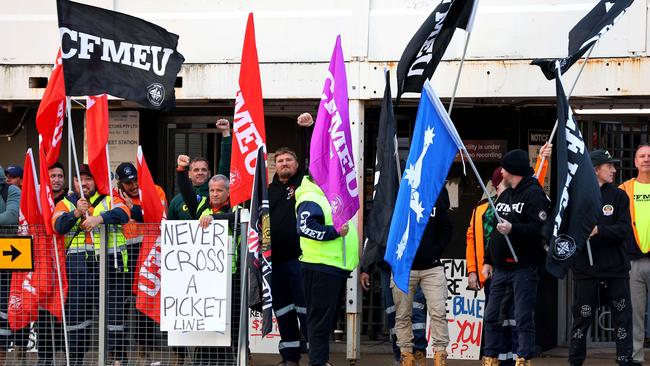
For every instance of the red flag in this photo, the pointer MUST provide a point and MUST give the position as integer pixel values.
(23, 295)
(51, 113)
(46, 275)
(147, 280)
(97, 140)
(248, 123)
(152, 209)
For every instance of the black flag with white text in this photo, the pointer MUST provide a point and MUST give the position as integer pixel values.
(578, 197)
(585, 33)
(259, 247)
(386, 182)
(108, 52)
(425, 50)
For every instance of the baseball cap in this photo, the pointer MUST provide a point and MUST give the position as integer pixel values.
(85, 169)
(126, 172)
(602, 156)
(14, 171)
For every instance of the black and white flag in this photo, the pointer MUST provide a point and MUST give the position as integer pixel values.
(578, 197)
(423, 53)
(108, 52)
(587, 32)
(259, 247)
(386, 182)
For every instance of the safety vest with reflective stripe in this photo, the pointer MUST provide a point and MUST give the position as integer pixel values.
(628, 187)
(336, 253)
(115, 235)
(208, 211)
(76, 239)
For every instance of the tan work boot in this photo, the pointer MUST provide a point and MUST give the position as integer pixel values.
(440, 358)
(489, 361)
(523, 362)
(420, 358)
(408, 359)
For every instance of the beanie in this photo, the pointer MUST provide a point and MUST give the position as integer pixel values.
(516, 162)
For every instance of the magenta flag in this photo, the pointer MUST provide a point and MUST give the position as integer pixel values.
(331, 160)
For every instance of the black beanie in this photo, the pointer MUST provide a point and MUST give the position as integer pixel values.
(516, 162)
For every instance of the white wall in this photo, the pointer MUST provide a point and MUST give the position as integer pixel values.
(295, 37)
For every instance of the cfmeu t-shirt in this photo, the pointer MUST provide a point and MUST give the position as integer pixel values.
(642, 212)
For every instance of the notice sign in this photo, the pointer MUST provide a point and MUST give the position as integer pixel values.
(484, 150)
(194, 276)
(465, 310)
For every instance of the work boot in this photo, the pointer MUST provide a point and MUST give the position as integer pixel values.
(408, 359)
(288, 363)
(420, 358)
(523, 362)
(489, 361)
(440, 358)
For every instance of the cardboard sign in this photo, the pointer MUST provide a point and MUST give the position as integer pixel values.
(194, 277)
(257, 343)
(16, 253)
(465, 310)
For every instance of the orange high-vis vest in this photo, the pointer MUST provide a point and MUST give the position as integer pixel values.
(628, 187)
(474, 252)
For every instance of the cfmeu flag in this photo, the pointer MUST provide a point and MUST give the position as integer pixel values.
(259, 247)
(386, 180)
(248, 123)
(51, 113)
(147, 279)
(97, 141)
(585, 33)
(578, 197)
(425, 50)
(331, 161)
(433, 149)
(108, 52)
(23, 294)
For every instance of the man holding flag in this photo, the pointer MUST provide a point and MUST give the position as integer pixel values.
(75, 217)
(523, 207)
(420, 227)
(325, 203)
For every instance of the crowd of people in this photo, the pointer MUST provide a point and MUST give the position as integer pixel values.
(312, 260)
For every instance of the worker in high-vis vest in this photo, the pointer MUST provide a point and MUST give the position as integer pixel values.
(77, 217)
(135, 232)
(328, 258)
(638, 192)
(205, 209)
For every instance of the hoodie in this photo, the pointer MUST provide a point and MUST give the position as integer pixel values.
(9, 210)
(282, 205)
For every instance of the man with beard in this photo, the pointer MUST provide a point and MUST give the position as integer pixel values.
(523, 209)
(286, 288)
(75, 217)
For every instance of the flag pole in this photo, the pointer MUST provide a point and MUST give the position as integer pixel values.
(459, 143)
(56, 256)
(110, 193)
(74, 147)
(70, 183)
(496, 214)
(575, 82)
(460, 69)
(242, 343)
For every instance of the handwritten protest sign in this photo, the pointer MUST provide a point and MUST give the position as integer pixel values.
(257, 343)
(465, 310)
(194, 276)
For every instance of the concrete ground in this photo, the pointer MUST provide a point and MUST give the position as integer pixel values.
(377, 356)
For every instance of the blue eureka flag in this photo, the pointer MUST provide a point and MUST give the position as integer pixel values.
(433, 148)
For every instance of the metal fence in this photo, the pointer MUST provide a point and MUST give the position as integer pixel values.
(104, 325)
